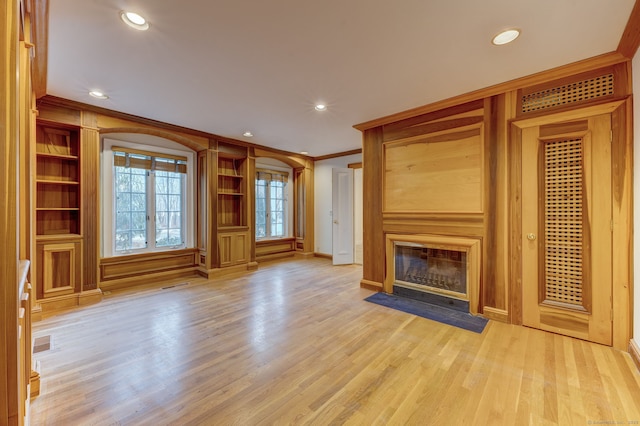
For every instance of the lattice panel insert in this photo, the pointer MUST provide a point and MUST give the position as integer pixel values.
(563, 221)
(569, 93)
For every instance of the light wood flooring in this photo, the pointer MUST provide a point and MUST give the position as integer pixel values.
(294, 343)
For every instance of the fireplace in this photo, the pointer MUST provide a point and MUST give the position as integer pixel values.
(434, 266)
(433, 270)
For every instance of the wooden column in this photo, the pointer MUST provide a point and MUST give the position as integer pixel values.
(11, 409)
(373, 237)
(304, 208)
(90, 189)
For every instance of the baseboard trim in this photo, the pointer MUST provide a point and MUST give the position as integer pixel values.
(227, 270)
(147, 278)
(323, 256)
(495, 314)
(371, 285)
(275, 256)
(70, 300)
(300, 253)
(634, 351)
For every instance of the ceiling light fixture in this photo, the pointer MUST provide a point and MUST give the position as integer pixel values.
(506, 36)
(321, 107)
(247, 134)
(304, 152)
(134, 20)
(98, 94)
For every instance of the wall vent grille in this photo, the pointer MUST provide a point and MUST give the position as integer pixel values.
(570, 93)
(563, 221)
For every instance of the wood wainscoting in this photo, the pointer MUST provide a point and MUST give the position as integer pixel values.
(125, 271)
(275, 249)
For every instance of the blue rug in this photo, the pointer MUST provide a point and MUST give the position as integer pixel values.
(433, 312)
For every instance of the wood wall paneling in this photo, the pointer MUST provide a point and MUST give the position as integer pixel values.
(137, 265)
(373, 269)
(622, 216)
(202, 201)
(499, 109)
(250, 189)
(273, 249)
(435, 174)
(11, 408)
(90, 190)
(498, 219)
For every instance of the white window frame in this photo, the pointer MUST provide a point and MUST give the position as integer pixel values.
(153, 144)
(271, 164)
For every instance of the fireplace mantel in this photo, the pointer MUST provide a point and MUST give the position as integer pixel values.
(470, 246)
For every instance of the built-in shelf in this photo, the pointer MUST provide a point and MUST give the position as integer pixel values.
(57, 182)
(58, 237)
(231, 191)
(60, 156)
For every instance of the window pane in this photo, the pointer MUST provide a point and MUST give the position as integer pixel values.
(271, 206)
(170, 200)
(131, 209)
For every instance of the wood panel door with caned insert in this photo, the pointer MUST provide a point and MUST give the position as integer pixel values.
(566, 227)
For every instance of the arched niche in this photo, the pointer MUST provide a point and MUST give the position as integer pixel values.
(290, 160)
(142, 135)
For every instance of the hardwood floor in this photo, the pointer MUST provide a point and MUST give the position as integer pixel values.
(294, 343)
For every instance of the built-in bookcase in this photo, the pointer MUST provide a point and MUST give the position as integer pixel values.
(233, 239)
(231, 192)
(57, 216)
(57, 180)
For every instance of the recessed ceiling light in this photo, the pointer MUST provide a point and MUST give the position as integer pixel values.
(304, 152)
(506, 36)
(134, 20)
(248, 134)
(321, 107)
(98, 94)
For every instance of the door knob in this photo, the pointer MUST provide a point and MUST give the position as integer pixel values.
(531, 236)
(335, 221)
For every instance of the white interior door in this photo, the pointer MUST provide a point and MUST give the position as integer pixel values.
(357, 216)
(342, 211)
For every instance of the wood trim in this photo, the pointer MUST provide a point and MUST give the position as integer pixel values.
(600, 61)
(270, 249)
(515, 219)
(338, 154)
(622, 217)
(323, 255)
(136, 266)
(630, 39)
(634, 351)
(495, 314)
(468, 109)
(110, 117)
(90, 202)
(355, 165)
(373, 267)
(295, 161)
(39, 11)
(70, 300)
(215, 273)
(371, 285)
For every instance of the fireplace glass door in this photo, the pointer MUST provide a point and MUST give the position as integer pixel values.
(433, 270)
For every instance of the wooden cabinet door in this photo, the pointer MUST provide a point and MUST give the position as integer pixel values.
(233, 248)
(566, 227)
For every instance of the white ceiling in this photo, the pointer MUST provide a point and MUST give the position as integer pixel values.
(227, 66)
